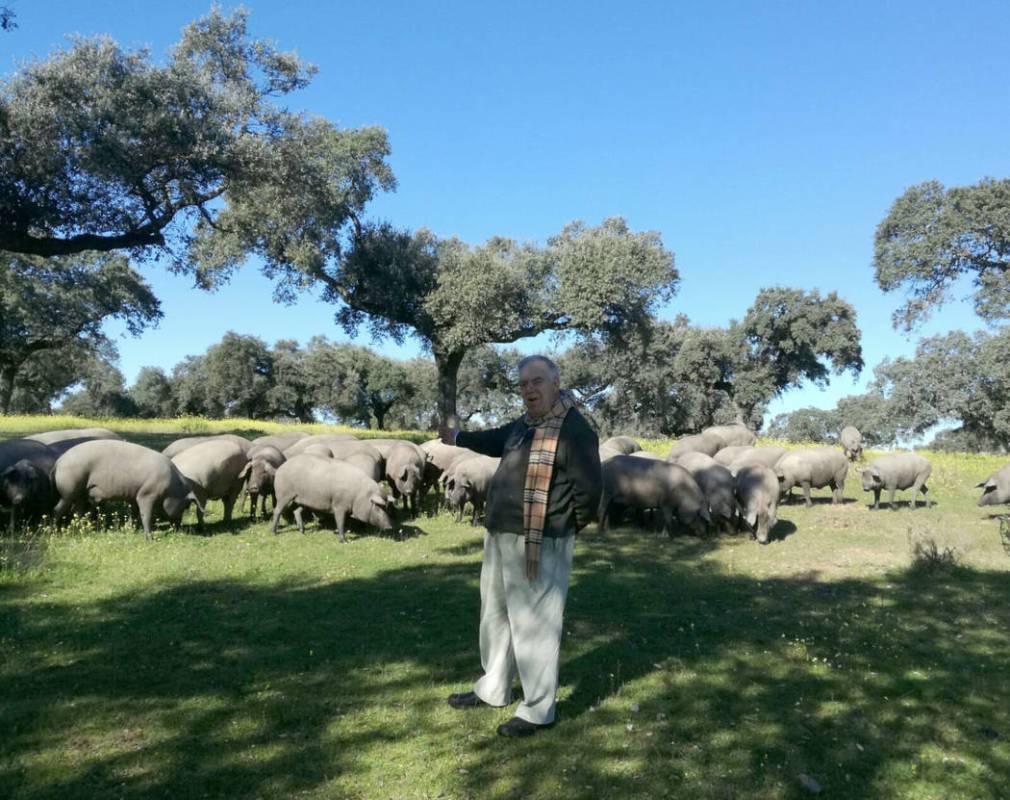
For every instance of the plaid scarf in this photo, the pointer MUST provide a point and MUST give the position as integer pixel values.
(547, 431)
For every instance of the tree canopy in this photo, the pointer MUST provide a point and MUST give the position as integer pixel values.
(102, 149)
(454, 297)
(52, 304)
(932, 237)
(672, 377)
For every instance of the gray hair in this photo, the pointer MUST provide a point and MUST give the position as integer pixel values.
(552, 368)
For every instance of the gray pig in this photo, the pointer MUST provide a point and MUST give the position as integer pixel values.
(405, 472)
(258, 476)
(281, 441)
(439, 456)
(624, 444)
(469, 483)
(50, 437)
(181, 445)
(706, 443)
(728, 455)
(766, 456)
(329, 486)
(643, 483)
(995, 488)
(717, 484)
(736, 434)
(607, 452)
(852, 442)
(895, 472)
(813, 468)
(214, 470)
(757, 492)
(115, 470)
(298, 446)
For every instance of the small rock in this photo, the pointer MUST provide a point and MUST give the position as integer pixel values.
(810, 784)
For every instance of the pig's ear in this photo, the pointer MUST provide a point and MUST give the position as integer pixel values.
(403, 475)
(752, 518)
(269, 469)
(377, 500)
(703, 513)
(987, 486)
(245, 469)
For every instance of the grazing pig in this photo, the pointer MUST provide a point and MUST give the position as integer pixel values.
(439, 456)
(50, 437)
(469, 483)
(115, 470)
(14, 450)
(368, 464)
(320, 450)
(607, 452)
(624, 444)
(895, 472)
(329, 486)
(757, 493)
(298, 446)
(281, 441)
(643, 483)
(813, 469)
(852, 443)
(258, 476)
(181, 445)
(766, 456)
(214, 469)
(706, 443)
(728, 455)
(736, 434)
(27, 490)
(995, 488)
(716, 483)
(405, 471)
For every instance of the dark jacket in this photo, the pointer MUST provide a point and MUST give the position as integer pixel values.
(575, 484)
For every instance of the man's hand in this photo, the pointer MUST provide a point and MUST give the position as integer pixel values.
(448, 429)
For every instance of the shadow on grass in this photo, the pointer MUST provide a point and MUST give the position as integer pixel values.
(273, 690)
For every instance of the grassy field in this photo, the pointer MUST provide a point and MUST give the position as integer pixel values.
(242, 665)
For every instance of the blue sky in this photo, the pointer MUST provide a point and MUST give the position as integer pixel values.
(764, 141)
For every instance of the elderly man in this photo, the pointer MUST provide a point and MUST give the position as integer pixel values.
(546, 488)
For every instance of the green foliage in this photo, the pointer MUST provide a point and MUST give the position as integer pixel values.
(870, 413)
(806, 425)
(933, 236)
(104, 149)
(793, 336)
(151, 394)
(103, 393)
(952, 378)
(353, 384)
(672, 377)
(58, 306)
(454, 296)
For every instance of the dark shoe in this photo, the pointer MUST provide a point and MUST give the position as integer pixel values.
(465, 700)
(520, 727)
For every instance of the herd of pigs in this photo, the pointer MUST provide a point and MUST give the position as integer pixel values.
(718, 478)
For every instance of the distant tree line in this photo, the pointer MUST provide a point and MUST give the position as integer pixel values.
(242, 376)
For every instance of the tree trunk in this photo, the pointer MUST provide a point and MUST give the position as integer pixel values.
(7, 375)
(447, 364)
(379, 412)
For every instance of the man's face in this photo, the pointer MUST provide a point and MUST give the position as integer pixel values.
(538, 389)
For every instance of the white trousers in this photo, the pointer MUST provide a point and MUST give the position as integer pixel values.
(521, 622)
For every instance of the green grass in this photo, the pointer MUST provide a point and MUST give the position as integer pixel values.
(243, 665)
